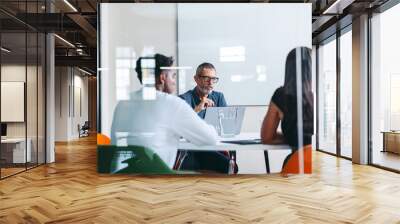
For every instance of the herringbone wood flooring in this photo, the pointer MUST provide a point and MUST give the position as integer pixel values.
(70, 191)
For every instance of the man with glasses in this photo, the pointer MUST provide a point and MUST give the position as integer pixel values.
(199, 98)
(203, 96)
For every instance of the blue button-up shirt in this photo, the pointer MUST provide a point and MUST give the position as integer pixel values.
(193, 100)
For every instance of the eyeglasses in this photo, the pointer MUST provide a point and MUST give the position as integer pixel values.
(207, 79)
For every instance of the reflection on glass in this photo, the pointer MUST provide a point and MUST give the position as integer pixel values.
(232, 54)
(386, 88)
(248, 62)
(327, 97)
(346, 94)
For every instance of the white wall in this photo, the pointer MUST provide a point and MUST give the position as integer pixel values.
(69, 82)
(246, 44)
(61, 103)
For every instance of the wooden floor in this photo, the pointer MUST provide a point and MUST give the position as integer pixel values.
(387, 159)
(10, 171)
(70, 191)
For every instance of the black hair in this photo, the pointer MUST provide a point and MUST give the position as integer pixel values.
(202, 66)
(289, 122)
(161, 61)
(290, 71)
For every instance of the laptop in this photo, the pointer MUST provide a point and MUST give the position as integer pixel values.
(226, 120)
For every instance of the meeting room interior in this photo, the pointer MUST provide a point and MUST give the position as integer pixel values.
(138, 111)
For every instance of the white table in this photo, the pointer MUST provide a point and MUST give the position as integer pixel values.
(18, 149)
(221, 146)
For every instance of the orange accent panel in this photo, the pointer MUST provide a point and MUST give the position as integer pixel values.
(103, 139)
(292, 166)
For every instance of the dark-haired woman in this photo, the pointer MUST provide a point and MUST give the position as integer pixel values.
(283, 108)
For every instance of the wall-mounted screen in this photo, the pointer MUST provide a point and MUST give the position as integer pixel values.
(12, 101)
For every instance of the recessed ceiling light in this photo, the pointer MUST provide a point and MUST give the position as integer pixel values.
(70, 5)
(337, 7)
(64, 40)
(84, 71)
(5, 50)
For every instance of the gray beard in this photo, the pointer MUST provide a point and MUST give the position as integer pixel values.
(204, 91)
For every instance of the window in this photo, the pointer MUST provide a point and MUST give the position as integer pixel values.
(327, 97)
(346, 94)
(385, 87)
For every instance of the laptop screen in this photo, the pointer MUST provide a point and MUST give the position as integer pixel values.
(226, 120)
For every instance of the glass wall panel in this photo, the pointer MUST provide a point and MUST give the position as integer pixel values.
(32, 87)
(346, 94)
(22, 89)
(327, 97)
(32, 95)
(41, 97)
(14, 152)
(385, 84)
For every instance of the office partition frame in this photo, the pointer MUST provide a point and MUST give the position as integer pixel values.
(28, 29)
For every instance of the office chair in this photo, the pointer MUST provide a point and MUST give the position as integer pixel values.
(84, 130)
(291, 164)
(131, 160)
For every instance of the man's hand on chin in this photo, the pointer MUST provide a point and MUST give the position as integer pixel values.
(204, 103)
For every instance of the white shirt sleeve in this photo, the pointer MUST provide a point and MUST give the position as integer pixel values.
(190, 126)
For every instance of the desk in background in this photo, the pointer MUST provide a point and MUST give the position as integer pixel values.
(221, 146)
(391, 141)
(13, 150)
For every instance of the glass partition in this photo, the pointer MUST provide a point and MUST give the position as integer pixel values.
(14, 143)
(22, 90)
(32, 95)
(172, 73)
(41, 97)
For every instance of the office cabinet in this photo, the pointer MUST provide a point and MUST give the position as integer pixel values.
(391, 141)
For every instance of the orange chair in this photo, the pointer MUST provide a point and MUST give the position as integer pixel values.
(292, 165)
(103, 139)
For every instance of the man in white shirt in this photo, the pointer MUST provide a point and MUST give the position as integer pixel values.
(159, 123)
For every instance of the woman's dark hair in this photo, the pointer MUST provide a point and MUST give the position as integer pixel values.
(289, 122)
(161, 61)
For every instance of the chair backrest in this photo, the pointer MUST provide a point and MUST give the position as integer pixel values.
(130, 160)
(86, 125)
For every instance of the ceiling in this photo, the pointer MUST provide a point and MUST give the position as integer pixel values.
(75, 22)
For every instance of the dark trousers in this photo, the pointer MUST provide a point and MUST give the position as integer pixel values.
(207, 161)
